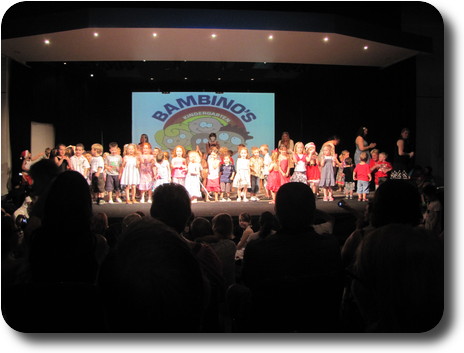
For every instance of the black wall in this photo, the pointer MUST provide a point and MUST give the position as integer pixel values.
(323, 101)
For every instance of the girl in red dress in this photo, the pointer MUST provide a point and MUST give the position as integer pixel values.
(274, 179)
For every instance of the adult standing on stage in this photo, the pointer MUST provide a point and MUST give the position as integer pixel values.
(143, 139)
(286, 141)
(362, 145)
(404, 155)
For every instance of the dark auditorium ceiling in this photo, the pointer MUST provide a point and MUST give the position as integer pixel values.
(180, 41)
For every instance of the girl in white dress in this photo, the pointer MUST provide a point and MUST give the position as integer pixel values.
(192, 179)
(242, 176)
(130, 176)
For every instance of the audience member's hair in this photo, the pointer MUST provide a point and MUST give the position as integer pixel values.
(266, 224)
(200, 227)
(100, 223)
(295, 206)
(42, 173)
(222, 225)
(129, 219)
(244, 217)
(63, 249)
(396, 201)
(399, 279)
(171, 205)
(155, 283)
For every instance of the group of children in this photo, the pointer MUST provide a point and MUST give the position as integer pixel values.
(142, 168)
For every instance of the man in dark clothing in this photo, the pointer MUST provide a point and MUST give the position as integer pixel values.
(295, 275)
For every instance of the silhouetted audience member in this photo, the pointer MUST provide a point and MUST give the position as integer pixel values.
(267, 226)
(64, 254)
(433, 215)
(65, 249)
(295, 275)
(153, 283)
(223, 246)
(398, 279)
(200, 227)
(171, 205)
(100, 223)
(129, 219)
(395, 201)
(42, 173)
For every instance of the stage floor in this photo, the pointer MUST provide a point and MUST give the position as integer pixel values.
(234, 208)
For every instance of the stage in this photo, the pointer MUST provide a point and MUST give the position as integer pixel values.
(344, 219)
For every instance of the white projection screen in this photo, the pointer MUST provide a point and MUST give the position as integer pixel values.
(42, 136)
(187, 119)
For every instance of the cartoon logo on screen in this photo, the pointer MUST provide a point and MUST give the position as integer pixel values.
(191, 127)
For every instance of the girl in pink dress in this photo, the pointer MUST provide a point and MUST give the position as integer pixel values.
(283, 165)
(212, 181)
(147, 172)
(178, 165)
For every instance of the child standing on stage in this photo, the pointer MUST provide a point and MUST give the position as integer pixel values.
(192, 179)
(362, 173)
(97, 166)
(113, 163)
(178, 165)
(328, 163)
(256, 172)
(264, 149)
(147, 172)
(163, 170)
(79, 163)
(300, 160)
(212, 181)
(130, 176)
(313, 173)
(227, 171)
(242, 176)
(340, 178)
(284, 168)
(274, 179)
(381, 168)
(62, 160)
(348, 178)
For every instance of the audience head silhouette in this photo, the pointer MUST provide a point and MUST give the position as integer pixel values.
(156, 283)
(398, 281)
(396, 201)
(295, 207)
(223, 226)
(171, 205)
(63, 249)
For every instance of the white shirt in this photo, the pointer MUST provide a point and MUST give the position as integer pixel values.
(80, 164)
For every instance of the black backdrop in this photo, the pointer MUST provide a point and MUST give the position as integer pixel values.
(323, 101)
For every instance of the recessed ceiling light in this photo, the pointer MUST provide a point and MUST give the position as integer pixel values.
(91, 75)
(152, 78)
(214, 35)
(47, 42)
(252, 79)
(326, 39)
(95, 34)
(185, 78)
(219, 79)
(270, 37)
(366, 47)
(155, 34)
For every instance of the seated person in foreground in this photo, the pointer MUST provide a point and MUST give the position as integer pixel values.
(295, 275)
